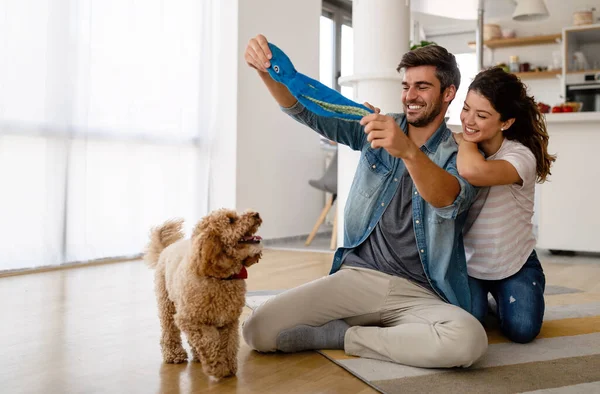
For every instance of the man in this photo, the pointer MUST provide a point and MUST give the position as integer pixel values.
(398, 291)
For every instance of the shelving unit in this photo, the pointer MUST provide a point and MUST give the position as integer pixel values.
(520, 41)
(539, 74)
(524, 41)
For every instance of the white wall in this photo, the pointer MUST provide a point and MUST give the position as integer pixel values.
(276, 156)
(455, 43)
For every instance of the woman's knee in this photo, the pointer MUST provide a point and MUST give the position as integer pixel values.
(520, 330)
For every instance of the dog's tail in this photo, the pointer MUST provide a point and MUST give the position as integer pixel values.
(160, 237)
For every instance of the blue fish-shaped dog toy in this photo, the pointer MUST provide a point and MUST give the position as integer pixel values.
(315, 96)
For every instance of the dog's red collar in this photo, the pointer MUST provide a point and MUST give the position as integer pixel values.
(243, 274)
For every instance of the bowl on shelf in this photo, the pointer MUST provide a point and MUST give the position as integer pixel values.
(576, 105)
(508, 33)
(570, 106)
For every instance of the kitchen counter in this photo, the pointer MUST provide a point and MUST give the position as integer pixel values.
(567, 204)
(573, 117)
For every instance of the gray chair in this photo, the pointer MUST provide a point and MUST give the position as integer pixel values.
(328, 183)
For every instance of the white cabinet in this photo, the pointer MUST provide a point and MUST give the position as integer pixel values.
(568, 205)
(581, 48)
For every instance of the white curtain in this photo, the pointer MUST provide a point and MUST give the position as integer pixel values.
(106, 118)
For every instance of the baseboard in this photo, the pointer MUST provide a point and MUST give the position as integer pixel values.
(69, 265)
(281, 240)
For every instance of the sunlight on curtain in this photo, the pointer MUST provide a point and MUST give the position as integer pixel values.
(138, 66)
(106, 115)
(31, 203)
(113, 203)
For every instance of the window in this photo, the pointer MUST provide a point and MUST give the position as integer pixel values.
(336, 45)
(347, 66)
(327, 51)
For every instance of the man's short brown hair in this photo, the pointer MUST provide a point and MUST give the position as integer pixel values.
(434, 55)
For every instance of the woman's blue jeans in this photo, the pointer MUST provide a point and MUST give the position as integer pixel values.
(520, 300)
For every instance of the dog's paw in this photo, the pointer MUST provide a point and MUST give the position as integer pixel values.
(214, 379)
(175, 357)
(217, 372)
(195, 359)
(175, 360)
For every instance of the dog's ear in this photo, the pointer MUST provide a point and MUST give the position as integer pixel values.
(209, 258)
(201, 226)
(219, 223)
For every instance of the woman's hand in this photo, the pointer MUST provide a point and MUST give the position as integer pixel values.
(458, 138)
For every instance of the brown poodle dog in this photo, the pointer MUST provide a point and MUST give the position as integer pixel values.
(200, 288)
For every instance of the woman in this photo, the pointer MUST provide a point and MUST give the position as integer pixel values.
(502, 121)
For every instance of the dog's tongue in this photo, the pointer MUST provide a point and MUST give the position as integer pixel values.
(243, 274)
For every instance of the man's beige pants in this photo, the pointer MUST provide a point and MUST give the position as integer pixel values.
(391, 319)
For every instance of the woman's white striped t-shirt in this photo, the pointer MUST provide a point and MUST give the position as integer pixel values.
(498, 234)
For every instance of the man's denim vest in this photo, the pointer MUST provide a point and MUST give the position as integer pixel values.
(438, 231)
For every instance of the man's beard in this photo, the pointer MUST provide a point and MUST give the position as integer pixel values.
(427, 117)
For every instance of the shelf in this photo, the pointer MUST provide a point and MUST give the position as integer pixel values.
(539, 74)
(584, 72)
(520, 41)
(573, 117)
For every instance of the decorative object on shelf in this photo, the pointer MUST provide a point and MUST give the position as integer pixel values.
(571, 106)
(576, 105)
(580, 62)
(491, 31)
(513, 65)
(524, 67)
(508, 33)
(556, 60)
(503, 66)
(537, 72)
(584, 17)
(423, 43)
(530, 10)
(543, 107)
(541, 74)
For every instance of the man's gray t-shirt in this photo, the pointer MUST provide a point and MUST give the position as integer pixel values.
(392, 247)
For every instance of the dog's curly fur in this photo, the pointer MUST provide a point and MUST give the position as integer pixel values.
(194, 289)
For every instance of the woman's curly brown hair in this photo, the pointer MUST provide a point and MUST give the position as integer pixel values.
(508, 95)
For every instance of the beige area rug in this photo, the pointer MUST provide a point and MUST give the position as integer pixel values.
(565, 358)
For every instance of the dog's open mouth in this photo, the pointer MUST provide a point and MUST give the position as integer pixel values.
(250, 239)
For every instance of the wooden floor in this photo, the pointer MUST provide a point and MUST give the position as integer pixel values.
(95, 330)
